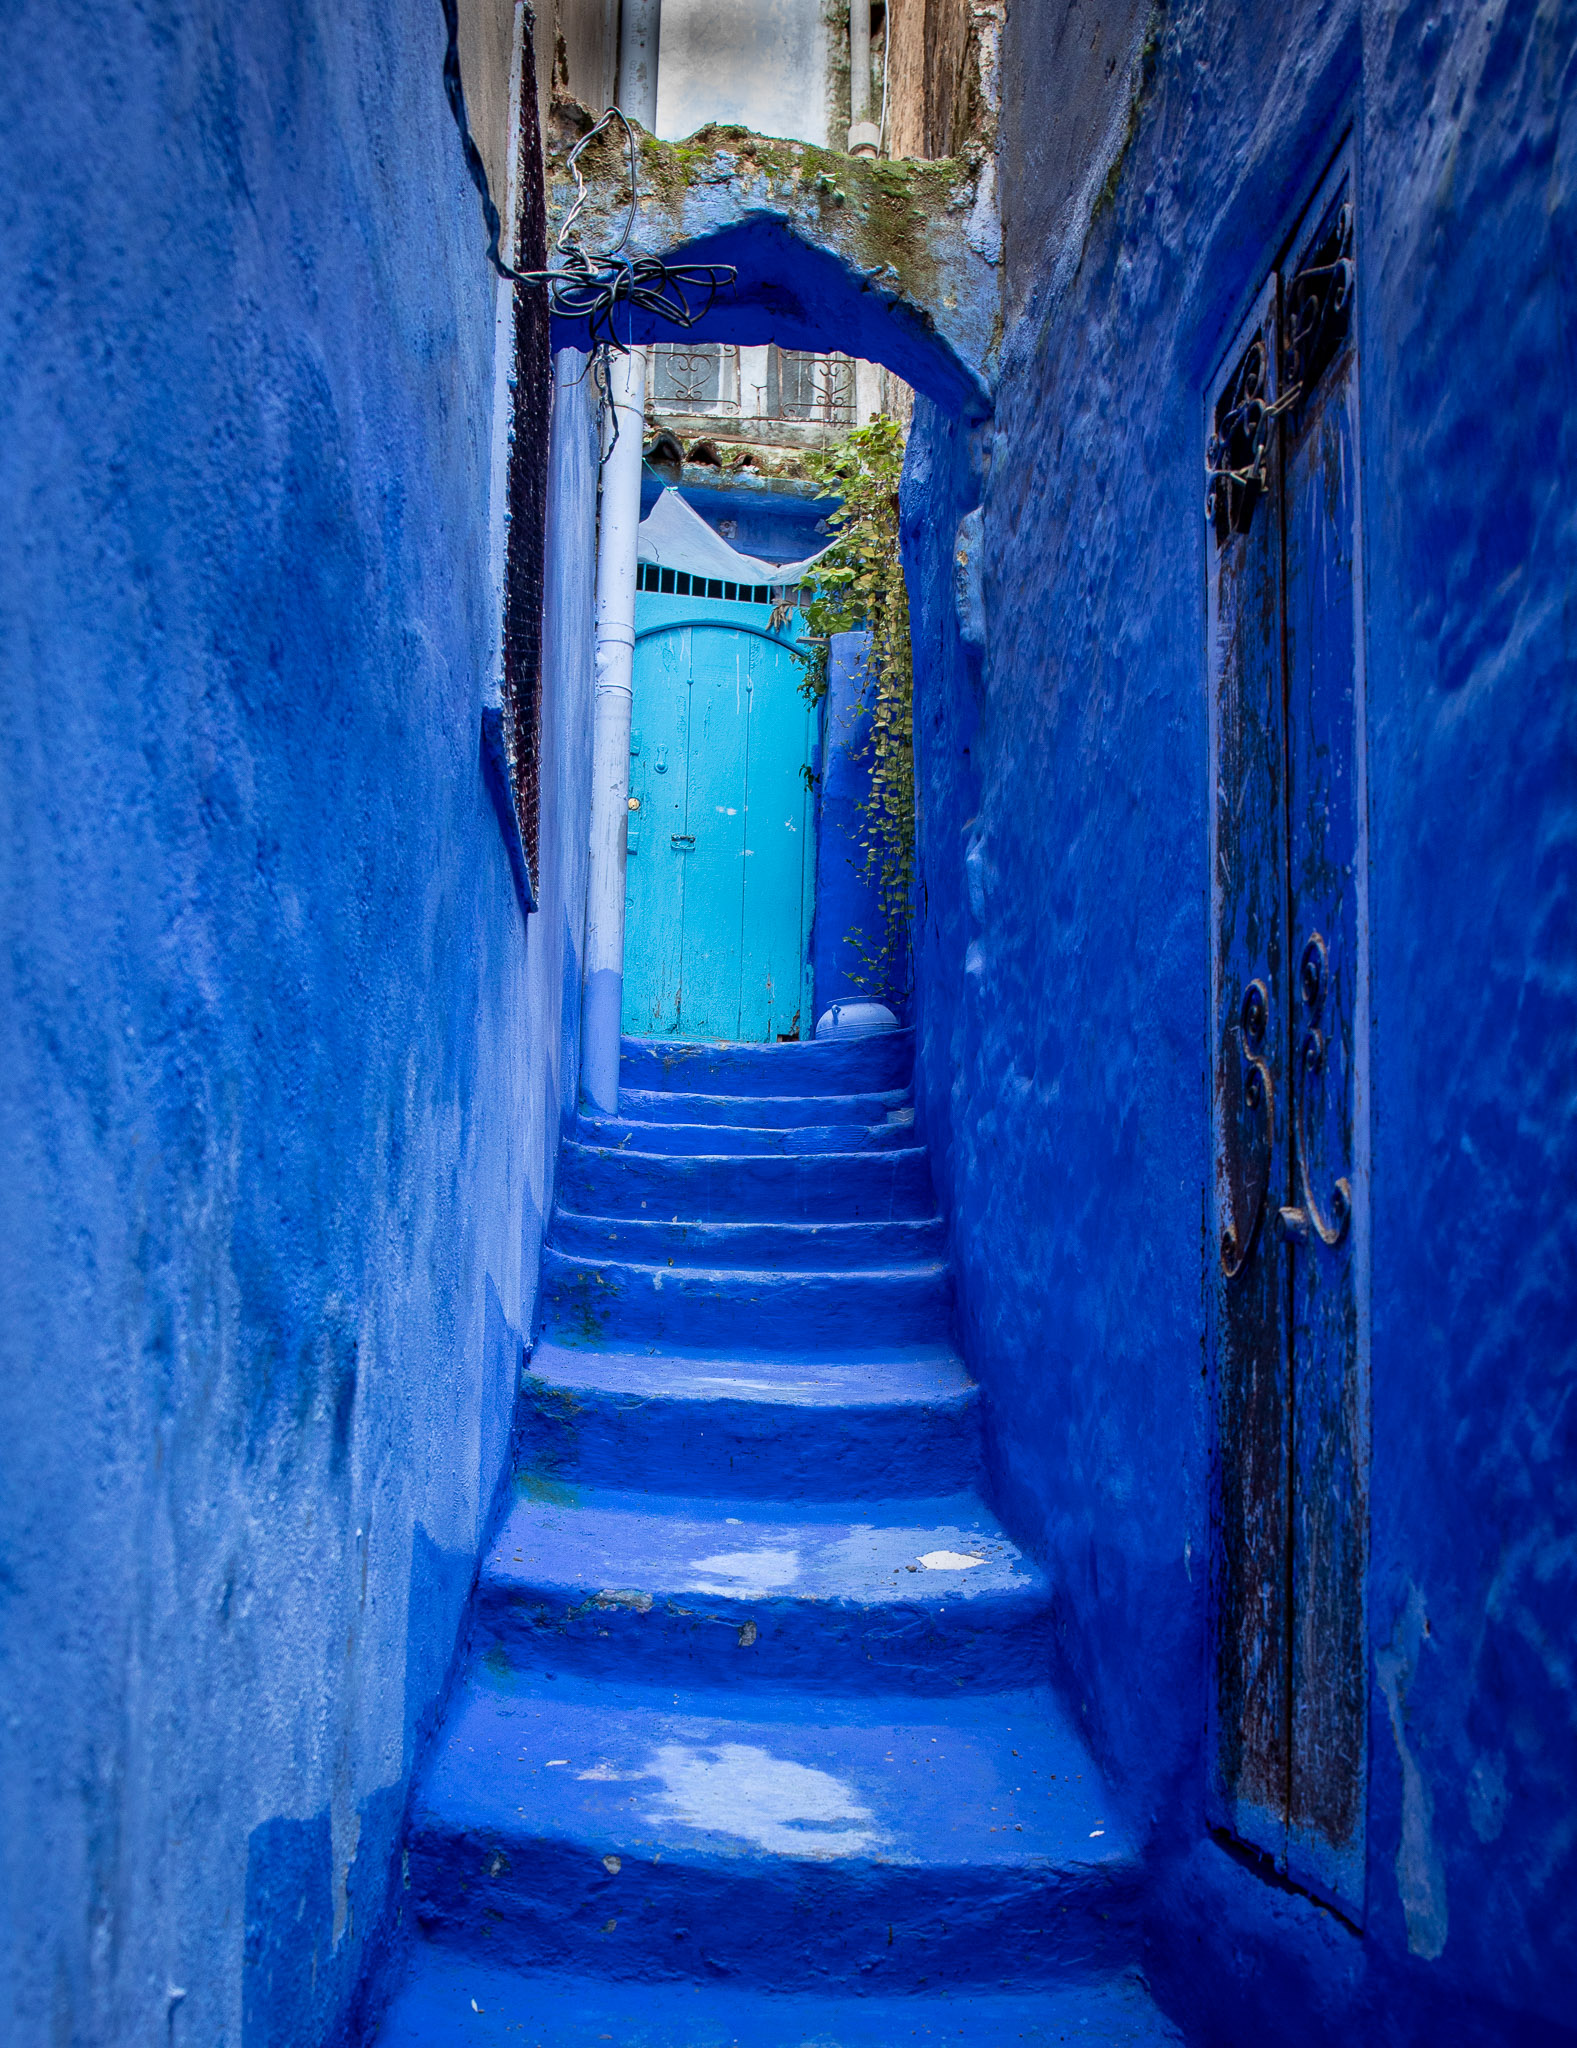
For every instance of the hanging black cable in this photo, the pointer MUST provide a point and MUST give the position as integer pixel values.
(584, 285)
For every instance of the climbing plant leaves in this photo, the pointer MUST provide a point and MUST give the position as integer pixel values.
(859, 584)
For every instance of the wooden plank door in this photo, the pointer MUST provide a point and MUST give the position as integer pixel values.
(1250, 1700)
(714, 909)
(1289, 1026)
(720, 836)
(776, 923)
(1327, 1004)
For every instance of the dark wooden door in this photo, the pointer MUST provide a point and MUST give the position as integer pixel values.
(1288, 1006)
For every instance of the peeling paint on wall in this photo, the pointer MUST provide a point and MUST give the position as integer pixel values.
(1420, 1875)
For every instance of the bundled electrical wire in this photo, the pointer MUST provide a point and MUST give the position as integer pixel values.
(592, 287)
(585, 284)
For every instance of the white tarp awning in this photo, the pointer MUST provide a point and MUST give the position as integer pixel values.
(675, 536)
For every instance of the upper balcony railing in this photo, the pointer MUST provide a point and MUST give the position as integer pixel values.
(753, 393)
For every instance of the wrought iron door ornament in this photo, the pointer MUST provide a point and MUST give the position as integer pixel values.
(1319, 303)
(1297, 1223)
(1259, 1098)
(1319, 306)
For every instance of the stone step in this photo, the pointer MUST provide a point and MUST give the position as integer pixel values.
(883, 1842)
(811, 1188)
(844, 1426)
(764, 1112)
(617, 1301)
(448, 1998)
(777, 1245)
(752, 1595)
(839, 1066)
(737, 1139)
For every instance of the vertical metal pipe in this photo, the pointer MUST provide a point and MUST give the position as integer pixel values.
(864, 137)
(859, 62)
(640, 27)
(610, 769)
(640, 24)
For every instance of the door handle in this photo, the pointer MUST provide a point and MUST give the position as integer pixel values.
(1299, 1222)
(1259, 1098)
(682, 840)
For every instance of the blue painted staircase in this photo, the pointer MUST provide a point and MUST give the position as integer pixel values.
(753, 1748)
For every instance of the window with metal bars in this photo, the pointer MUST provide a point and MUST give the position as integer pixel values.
(802, 385)
(679, 583)
(701, 376)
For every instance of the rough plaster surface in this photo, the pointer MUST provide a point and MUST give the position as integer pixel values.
(764, 67)
(897, 263)
(1063, 960)
(279, 1065)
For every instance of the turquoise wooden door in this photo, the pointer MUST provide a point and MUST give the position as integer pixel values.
(720, 856)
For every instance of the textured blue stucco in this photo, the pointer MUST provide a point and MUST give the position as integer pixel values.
(282, 1065)
(284, 1070)
(770, 522)
(848, 921)
(1064, 966)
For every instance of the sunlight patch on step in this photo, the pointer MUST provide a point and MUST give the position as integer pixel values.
(784, 1808)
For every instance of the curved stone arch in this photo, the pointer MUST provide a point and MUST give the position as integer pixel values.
(888, 261)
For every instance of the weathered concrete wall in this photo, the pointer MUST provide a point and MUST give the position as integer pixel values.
(766, 66)
(1064, 962)
(1067, 91)
(487, 32)
(279, 1063)
(937, 97)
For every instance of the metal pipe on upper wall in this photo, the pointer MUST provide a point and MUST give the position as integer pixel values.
(864, 135)
(640, 30)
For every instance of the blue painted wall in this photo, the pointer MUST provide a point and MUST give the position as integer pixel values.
(848, 902)
(281, 1068)
(772, 524)
(1064, 966)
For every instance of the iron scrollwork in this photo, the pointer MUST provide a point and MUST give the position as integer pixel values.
(1319, 305)
(1237, 452)
(1259, 1098)
(1297, 1222)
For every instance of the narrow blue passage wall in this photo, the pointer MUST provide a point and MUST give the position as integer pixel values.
(848, 903)
(1064, 965)
(280, 1068)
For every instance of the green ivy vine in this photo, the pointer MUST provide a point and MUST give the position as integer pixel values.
(859, 584)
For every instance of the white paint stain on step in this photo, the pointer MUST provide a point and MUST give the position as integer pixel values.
(784, 1808)
(746, 1574)
(948, 1561)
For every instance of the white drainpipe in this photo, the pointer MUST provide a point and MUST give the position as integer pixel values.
(639, 25)
(864, 135)
(610, 745)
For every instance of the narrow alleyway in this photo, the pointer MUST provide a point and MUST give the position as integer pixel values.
(754, 1702)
